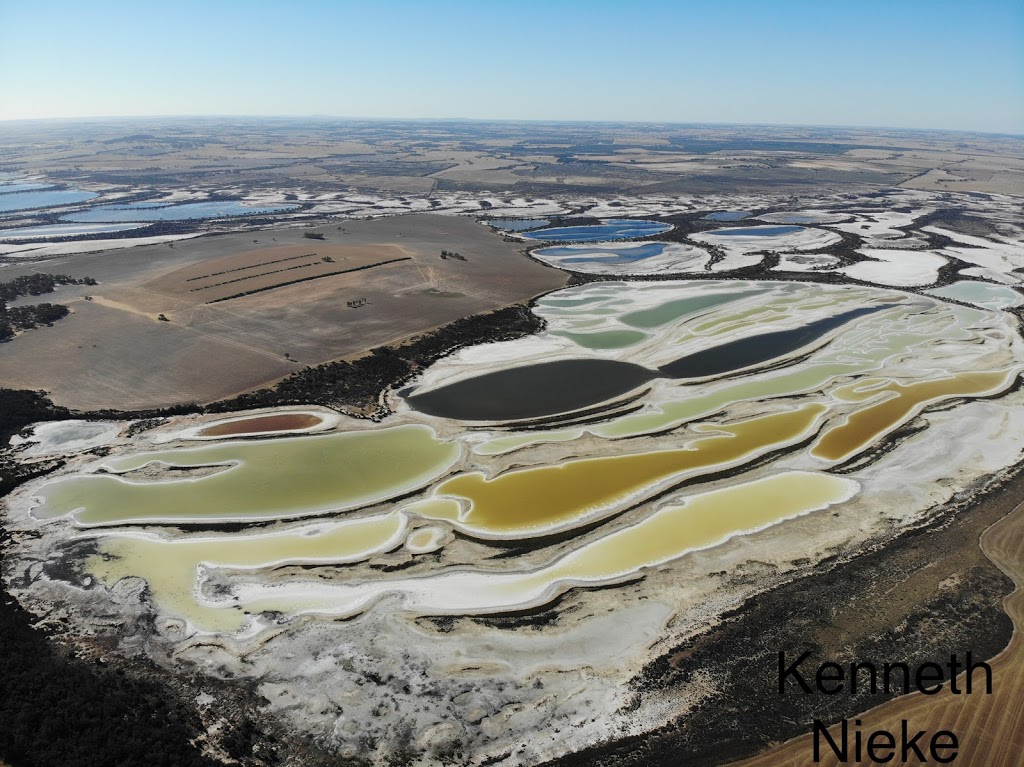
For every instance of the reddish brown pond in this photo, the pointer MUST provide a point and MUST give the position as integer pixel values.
(261, 423)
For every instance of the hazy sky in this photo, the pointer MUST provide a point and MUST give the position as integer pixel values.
(899, 63)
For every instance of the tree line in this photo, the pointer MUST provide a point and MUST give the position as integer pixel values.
(357, 385)
(13, 319)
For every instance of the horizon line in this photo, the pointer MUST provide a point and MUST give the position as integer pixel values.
(582, 121)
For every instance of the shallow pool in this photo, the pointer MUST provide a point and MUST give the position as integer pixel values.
(756, 231)
(612, 229)
(980, 294)
(43, 199)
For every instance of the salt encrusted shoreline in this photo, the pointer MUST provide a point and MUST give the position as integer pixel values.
(583, 688)
(548, 688)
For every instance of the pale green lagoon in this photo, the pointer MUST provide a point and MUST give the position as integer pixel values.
(271, 478)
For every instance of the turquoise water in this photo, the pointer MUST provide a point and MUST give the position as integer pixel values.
(159, 211)
(42, 199)
(612, 229)
(625, 254)
(757, 231)
(980, 294)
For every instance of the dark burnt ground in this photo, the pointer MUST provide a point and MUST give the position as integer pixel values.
(959, 220)
(64, 705)
(929, 593)
(72, 701)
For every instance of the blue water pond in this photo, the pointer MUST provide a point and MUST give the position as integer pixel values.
(42, 199)
(612, 229)
(627, 254)
(52, 231)
(757, 231)
(8, 188)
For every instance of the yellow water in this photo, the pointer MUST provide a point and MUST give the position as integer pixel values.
(425, 539)
(701, 521)
(535, 500)
(864, 427)
(171, 566)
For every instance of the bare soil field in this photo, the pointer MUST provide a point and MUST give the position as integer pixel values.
(988, 726)
(103, 357)
(115, 352)
(263, 269)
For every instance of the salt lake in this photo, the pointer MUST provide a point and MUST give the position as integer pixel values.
(612, 229)
(46, 198)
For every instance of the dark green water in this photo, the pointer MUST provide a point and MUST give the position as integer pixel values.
(549, 388)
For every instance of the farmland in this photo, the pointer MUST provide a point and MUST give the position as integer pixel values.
(113, 351)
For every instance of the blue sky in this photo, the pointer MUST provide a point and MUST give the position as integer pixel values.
(935, 64)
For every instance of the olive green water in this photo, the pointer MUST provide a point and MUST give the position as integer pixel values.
(532, 501)
(272, 478)
(701, 521)
(282, 478)
(604, 339)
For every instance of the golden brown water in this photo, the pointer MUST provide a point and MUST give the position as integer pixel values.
(701, 521)
(519, 502)
(864, 427)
